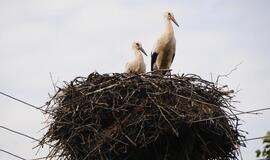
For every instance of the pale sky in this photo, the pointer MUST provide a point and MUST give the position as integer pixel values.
(74, 38)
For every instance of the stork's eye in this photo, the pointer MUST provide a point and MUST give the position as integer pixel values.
(137, 44)
(169, 14)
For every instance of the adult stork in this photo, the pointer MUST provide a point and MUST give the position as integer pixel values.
(137, 65)
(164, 51)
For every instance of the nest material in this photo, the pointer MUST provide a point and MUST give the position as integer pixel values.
(141, 117)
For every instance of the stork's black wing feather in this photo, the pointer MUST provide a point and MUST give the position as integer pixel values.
(153, 59)
(173, 57)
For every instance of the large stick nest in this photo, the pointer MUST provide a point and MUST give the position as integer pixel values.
(142, 117)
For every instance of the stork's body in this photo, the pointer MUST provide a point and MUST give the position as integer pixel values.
(137, 65)
(164, 51)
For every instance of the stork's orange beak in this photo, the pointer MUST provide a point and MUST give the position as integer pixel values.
(174, 21)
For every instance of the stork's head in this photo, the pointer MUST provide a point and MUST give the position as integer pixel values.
(170, 16)
(137, 45)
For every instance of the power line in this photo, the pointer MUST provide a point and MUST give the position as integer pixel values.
(255, 138)
(40, 158)
(223, 116)
(26, 103)
(22, 134)
(12, 154)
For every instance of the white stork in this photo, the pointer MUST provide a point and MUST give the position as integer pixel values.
(137, 65)
(164, 51)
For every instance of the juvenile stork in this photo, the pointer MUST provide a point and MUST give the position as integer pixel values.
(164, 51)
(137, 65)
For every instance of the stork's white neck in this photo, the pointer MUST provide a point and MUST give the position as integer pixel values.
(168, 27)
(137, 53)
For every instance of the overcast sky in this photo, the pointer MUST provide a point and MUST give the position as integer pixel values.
(74, 38)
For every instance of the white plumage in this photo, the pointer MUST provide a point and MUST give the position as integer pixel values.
(164, 51)
(137, 65)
